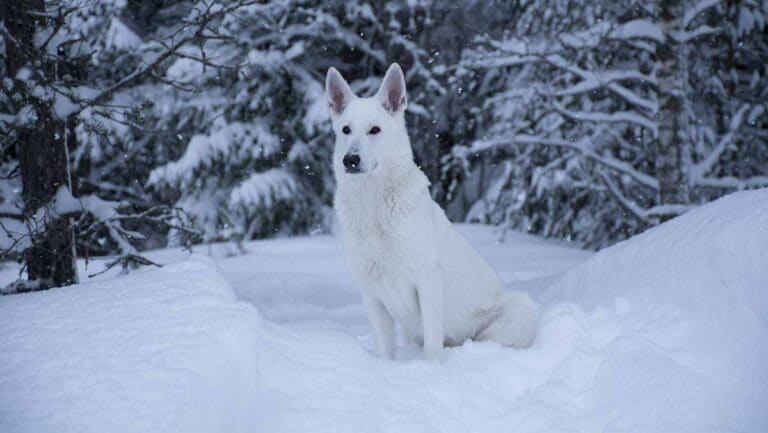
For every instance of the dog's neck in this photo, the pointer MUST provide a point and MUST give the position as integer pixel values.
(394, 188)
(399, 176)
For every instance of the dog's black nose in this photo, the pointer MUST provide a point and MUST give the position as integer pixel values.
(352, 163)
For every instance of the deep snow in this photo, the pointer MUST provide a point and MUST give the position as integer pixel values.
(156, 351)
(665, 332)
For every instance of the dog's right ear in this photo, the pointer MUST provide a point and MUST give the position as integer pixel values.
(338, 92)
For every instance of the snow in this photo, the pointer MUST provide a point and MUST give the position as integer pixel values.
(692, 12)
(185, 70)
(317, 107)
(263, 188)
(638, 29)
(749, 20)
(228, 140)
(27, 115)
(13, 231)
(274, 59)
(582, 146)
(14, 236)
(63, 106)
(701, 168)
(119, 36)
(691, 317)
(664, 332)
(168, 350)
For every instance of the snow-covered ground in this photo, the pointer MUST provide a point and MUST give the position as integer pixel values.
(667, 332)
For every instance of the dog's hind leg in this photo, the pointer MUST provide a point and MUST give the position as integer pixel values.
(516, 325)
(383, 326)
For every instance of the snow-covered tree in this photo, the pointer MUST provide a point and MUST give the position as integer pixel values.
(589, 121)
(726, 96)
(256, 144)
(589, 104)
(69, 68)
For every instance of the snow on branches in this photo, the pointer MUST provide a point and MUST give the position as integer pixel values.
(585, 102)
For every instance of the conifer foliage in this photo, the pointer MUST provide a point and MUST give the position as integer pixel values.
(128, 124)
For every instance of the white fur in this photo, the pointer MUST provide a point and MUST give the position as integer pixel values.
(414, 268)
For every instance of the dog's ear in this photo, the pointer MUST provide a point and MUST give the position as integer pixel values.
(392, 90)
(337, 90)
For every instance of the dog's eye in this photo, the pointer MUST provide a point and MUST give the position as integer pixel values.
(346, 130)
(375, 130)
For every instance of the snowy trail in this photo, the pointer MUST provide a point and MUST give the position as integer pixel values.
(665, 332)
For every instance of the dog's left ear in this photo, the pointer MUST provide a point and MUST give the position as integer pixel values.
(392, 90)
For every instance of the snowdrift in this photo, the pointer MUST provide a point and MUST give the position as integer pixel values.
(690, 302)
(166, 350)
(664, 333)
(667, 332)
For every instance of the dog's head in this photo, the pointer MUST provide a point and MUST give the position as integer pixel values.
(370, 132)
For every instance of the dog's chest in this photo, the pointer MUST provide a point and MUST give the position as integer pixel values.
(378, 235)
(382, 259)
(385, 258)
(379, 247)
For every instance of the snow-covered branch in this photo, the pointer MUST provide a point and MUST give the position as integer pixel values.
(581, 147)
(613, 117)
(700, 169)
(195, 33)
(692, 12)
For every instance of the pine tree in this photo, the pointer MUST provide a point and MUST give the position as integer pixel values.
(256, 144)
(71, 77)
(597, 125)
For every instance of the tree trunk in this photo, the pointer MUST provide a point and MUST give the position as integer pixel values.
(43, 163)
(42, 159)
(671, 123)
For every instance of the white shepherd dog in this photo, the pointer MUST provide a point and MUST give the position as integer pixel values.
(412, 265)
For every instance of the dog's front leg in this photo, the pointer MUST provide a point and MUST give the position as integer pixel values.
(430, 291)
(383, 326)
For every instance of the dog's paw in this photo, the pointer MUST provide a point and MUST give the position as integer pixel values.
(433, 353)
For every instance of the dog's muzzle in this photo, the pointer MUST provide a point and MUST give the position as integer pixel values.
(351, 163)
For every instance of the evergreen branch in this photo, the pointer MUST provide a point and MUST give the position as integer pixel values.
(137, 76)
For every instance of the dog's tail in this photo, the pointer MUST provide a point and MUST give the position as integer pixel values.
(517, 324)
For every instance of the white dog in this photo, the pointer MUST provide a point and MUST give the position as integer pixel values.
(412, 265)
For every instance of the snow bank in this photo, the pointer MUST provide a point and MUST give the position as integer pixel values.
(166, 350)
(667, 332)
(688, 301)
(663, 333)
